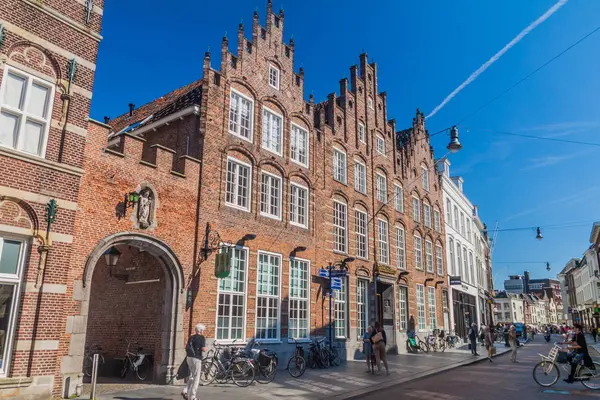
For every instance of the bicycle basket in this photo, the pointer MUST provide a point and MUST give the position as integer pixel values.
(226, 353)
(264, 358)
(412, 341)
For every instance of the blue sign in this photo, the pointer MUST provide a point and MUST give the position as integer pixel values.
(338, 273)
(323, 273)
(336, 283)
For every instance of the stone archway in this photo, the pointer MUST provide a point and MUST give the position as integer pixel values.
(172, 304)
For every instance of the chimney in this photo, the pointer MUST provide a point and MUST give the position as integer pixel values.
(106, 119)
(131, 108)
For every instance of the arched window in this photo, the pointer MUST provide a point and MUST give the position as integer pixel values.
(383, 240)
(400, 247)
(439, 259)
(418, 251)
(448, 212)
(425, 177)
(340, 226)
(427, 214)
(416, 206)
(437, 223)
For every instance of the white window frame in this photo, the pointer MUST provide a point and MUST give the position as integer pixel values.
(381, 187)
(361, 232)
(360, 179)
(400, 248)
(456, 225)
(15, 280)
(403, 307)
(268, 204)
(439, 258)
(268, 134)
(337, 227)
(431, 295)
(236, 184)
(361, 133)
(276, 297)
(462, 223)
(294, 206)
(418, 245)
(421, 308)
(370, 103)
(425, 178)
(465, 263)
(448, 212)
(427, 214)
(300, 298)
(294, 140)
(437, 221)
(24, 115)
(383, 241)
(459, 259)
(398, 198)
(380, 144)
(471, 269)
(416, 209)
(451, 257)
(340, 156)
(362, 306)
(429, 256)
(341, 307)
(229, 339)
(250, 137)
(272, 68)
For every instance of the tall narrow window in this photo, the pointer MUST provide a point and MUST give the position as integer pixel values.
(380, 145)
(468, 229)
(267, 296)
(339, 166)
(272, 131)
(429, 256)
(451, 257)
(418, 252)
(274, 76)
(25, 112)
(425, 178)
(298, 205)
(416, 206)
(398, 198)
(238, 184)
(459, 259)
(340, 312)
(381, 186)
(427, 214)
(421, 313)
(299, 299)
(241, 114)
(448, 212)
(439, 259)
(12, 258)
(299, 145)
(403, 307)
(400, 248)
(383, 236)
(370, 103)
(362, 306)
(360, 177)
(471, 269)
(361, 132)
(231, 314)
(437, 223)
(361, 234)
(456, 226)
(462, 223)
(340, 222)
(270, 196)
(432, 308)
(465, 265)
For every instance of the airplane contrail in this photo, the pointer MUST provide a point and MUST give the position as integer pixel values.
(499, 54)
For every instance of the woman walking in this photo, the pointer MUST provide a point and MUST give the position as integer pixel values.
(368, 347)
(490, 338)
(473, 338)
(379, 341)
(512, 341)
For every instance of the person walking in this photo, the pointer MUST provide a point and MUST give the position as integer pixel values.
(379, 340)
(512, 341)
(490, 338)
(473, 338)
(196, 345)
(368, 347)
(594, 333)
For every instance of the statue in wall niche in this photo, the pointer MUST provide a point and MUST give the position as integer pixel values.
(145, 204)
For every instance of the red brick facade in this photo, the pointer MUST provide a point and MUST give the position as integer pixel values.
(180, 157)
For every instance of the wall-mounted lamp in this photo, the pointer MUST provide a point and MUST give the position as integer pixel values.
(111, 256)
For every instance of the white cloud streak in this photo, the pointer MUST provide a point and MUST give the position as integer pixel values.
(499, 54)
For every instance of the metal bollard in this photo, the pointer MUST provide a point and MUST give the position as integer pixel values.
(94, 376)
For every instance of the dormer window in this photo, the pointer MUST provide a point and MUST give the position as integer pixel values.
(370, 103)
(274, 77)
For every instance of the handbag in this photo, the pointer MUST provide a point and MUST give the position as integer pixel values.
(493, 351)
(378, 337)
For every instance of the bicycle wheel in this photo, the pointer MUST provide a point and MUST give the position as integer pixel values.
(124, 368)
(546, 373)
(324, 358)
(334, 357)
(424, 347)
(208, 373)
(312, 360)
(242, 373)
(442, 346)
(296, 366)
(143, 370)
(88, 366)
(590, 378)
(267, 373)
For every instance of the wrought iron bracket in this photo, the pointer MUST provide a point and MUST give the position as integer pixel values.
(212, 241)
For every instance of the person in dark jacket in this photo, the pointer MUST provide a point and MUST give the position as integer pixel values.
(579, 352)
(196, 345)
(379, 348)
(473, 338)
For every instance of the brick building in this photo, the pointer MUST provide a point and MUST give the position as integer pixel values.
(47, 63)
(236, 163)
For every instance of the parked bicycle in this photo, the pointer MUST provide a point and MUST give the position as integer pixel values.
(137, 362)
(236, 367)
(453, 341)
(297, 364)
(265, 362)
(319, 354)
(88, 359)
(414, 344)
(547, 372)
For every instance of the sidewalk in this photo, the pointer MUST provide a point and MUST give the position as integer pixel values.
(344, 382)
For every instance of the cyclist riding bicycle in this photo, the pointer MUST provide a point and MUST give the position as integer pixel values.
(579, 351)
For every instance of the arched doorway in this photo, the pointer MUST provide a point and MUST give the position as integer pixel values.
(139, 300)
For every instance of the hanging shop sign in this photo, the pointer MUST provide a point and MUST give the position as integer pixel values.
(223, 263)
(455, 280)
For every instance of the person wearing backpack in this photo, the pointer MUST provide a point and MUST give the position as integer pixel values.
(196, 345)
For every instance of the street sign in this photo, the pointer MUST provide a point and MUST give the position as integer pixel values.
(455, 280)
(336, 283)
(336, 273)
(323, 273)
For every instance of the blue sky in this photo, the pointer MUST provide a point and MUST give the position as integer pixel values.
(424, 50)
